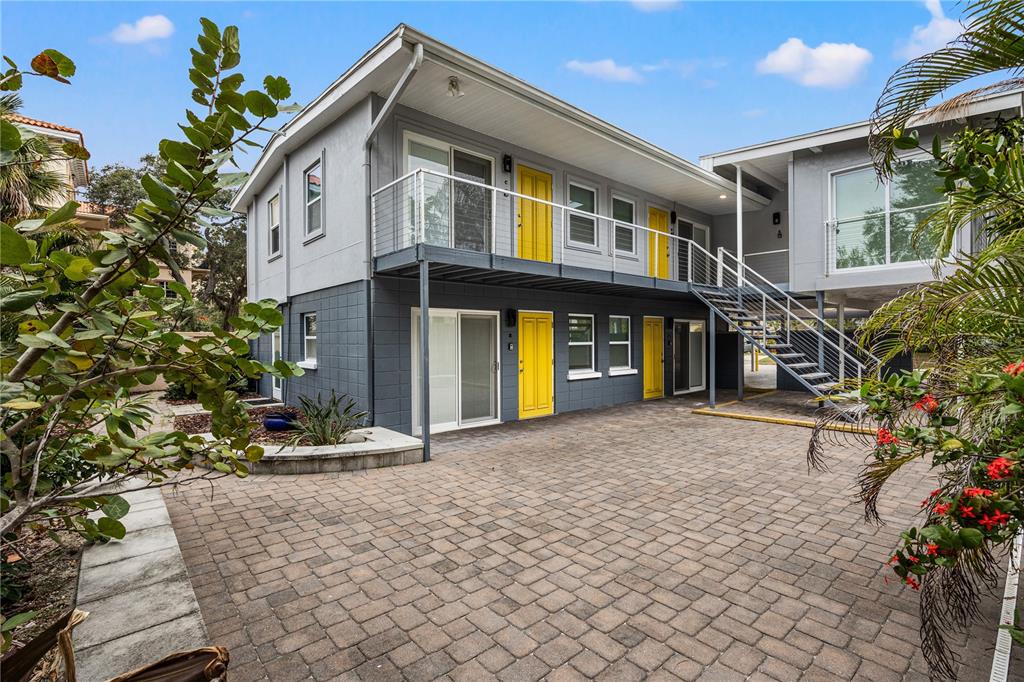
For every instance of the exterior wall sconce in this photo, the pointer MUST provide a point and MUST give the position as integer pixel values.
(454, 88)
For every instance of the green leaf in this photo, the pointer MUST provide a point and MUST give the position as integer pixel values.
(111, 527)
(10, 137)
(260, 105)
(53, 339)
(277, 87)
(231, 39)
(14, 249)
(62, 214)
(65, 66)
(20, 300)
(45, 65)
(971, 537)
(116, 507)
(210, 29)
(160, 194)
(75, 151)
(16, 620)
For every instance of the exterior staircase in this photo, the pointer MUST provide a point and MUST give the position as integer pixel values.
(799, 341)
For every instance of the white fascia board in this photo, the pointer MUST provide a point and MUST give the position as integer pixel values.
(851, 131)
(309, 120)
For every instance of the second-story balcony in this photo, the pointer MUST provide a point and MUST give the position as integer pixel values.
(464, 225)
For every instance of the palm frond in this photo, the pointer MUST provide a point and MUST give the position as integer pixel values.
(992, 42)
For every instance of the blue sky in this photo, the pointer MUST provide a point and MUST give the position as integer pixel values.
(692, 77)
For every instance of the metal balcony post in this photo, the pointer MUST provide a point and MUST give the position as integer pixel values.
(711, 356)
(820, 295)
(789, 320)
(611, 242)
(425, 357)
(421, 207)
(689, 261)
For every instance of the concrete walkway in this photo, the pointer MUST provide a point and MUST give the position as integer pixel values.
(137, 592)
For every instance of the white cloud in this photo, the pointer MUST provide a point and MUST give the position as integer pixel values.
(829, 65)
(153, 27)
(933, 35)
(654, 5)
(606, 70)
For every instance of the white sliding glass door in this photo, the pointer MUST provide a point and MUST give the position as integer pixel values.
(463, 369)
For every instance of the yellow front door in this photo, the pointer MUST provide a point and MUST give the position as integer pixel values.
(533, 218)
(536, 371)
(657, 246)
(654, 357)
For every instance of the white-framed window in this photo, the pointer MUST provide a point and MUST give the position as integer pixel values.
(624, 211)
(873, 222)
(274, 223)
(313, 187)
(581, 346)
(308, 340)
(619, 343)
(582, 228)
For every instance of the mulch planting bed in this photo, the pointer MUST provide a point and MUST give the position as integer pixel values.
(200, 423)
(193, 401)
(42, 574)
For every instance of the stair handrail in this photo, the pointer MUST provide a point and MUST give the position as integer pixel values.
(790, 315)
(747, 269)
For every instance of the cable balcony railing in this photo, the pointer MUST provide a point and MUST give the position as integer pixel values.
(438, 209)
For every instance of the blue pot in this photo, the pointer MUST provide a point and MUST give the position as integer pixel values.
(279, 421)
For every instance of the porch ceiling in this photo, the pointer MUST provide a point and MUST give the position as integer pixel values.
(518, 114)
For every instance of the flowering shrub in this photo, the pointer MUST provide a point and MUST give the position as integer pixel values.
(979, 504)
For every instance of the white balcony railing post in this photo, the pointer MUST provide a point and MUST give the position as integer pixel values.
(689, 261)
(719, 263)
(611, 241)
(421, 207)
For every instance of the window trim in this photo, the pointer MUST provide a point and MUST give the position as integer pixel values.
(306, 203)
(587, 215)
(618, 370)
(631, 227)
(584, 373)
(306, 362)
(833, 221)
(271, 254)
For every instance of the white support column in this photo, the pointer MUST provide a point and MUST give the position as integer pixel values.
(841, 326)
(739, 225)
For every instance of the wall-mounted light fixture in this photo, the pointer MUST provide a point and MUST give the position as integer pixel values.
(506, 163)
(454, 88)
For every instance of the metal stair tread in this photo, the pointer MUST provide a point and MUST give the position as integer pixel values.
(814, 375)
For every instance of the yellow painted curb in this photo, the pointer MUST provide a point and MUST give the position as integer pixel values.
(805, 423)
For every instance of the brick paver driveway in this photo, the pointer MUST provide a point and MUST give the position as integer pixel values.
(619, 543)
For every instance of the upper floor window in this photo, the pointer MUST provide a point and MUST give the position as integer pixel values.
(274, 222)
(873, 222)
(314, 188)
(581, 344)
(624, 211)
(582, 228)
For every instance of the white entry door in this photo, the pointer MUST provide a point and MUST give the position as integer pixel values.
(463, 369)
(275, 354)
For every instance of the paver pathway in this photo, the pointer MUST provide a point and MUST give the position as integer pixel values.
(630, 542)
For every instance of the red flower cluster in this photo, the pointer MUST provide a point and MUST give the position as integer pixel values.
(967, 511)
(933, 550)
(999, 468)
(998, 518)
(912, 581)
(1015, 368)
(977, 492)
(927, 403)
(941, 508)
(886, 437)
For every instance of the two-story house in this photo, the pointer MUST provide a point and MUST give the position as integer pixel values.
(452, 245)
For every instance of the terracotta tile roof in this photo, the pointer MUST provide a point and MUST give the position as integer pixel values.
(18, 118)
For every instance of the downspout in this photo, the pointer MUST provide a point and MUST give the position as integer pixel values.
(376, 123)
